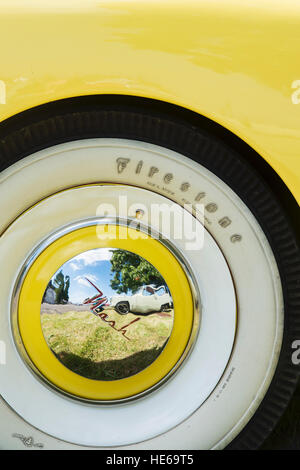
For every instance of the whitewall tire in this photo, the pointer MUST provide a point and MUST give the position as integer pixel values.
(239, 374)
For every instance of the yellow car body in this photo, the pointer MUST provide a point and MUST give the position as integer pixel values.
(231, 66)
(236, 63)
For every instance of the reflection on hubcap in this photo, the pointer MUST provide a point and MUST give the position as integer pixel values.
(132, 314)
(102, 319)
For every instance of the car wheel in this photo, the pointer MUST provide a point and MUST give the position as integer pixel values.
(230, 367)
(165, 308)
(122, 308)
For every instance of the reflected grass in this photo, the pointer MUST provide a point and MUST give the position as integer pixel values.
(91, 348)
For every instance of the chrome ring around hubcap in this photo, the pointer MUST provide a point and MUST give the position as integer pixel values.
(95, 222)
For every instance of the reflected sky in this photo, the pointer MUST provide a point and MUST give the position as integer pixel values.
(94, 265)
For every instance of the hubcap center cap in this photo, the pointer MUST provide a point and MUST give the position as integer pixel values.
(107, 314)
(104, 357)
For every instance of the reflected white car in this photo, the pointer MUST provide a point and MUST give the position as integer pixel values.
(146, 299)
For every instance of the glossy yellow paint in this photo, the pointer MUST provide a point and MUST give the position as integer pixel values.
(233, 61)
(34, 286)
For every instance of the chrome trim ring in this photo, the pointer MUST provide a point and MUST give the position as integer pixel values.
(133, 223)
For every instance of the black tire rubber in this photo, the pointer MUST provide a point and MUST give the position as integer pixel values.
(119, 310)
(165, 308)
(211, 152)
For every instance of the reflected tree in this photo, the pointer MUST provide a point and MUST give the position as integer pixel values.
(132, 271)
(61, 285)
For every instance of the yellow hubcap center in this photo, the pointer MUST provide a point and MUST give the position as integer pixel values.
(49, 262)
